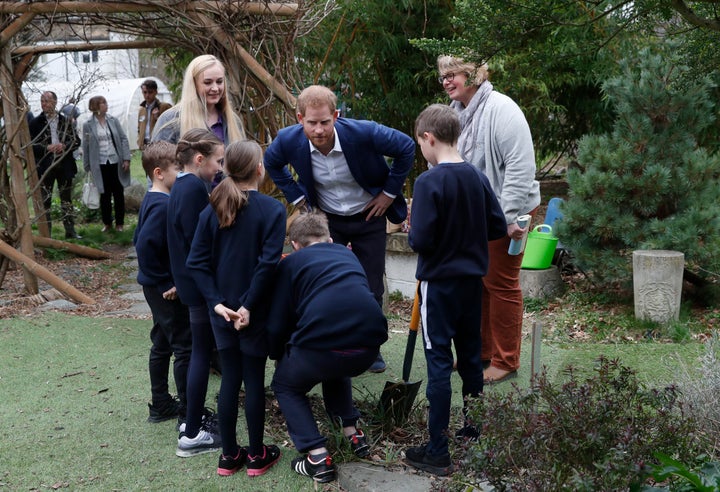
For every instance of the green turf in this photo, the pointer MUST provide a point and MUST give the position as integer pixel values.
(75, 391)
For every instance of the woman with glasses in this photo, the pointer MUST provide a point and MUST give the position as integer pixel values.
(495, 137)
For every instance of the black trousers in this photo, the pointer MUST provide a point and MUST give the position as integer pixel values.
(170, 335)
(65, 187)
(367, 240)
(113, 194)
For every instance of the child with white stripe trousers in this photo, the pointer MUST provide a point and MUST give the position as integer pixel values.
(455, 214)
(237, 245)
(325, 328)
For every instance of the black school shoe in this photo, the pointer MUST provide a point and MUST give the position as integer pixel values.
(469, 432)
(322, 472)
(437, 465)
(166, 411)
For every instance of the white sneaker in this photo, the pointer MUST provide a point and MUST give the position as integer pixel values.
(204, 442)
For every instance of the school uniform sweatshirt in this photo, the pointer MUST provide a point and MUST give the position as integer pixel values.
(454, 215)
(188, 197)
(150, 240)
(322, 301)
(235, 265)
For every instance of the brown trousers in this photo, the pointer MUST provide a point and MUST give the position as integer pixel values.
(502, 307)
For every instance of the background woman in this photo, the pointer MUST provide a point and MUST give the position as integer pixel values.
(495, 137)
(203, 104)
(106, 153)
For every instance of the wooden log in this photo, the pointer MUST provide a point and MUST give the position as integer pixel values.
(78, 249)
(38, 270)
(256, 8)
(15, 27)
(95, 45)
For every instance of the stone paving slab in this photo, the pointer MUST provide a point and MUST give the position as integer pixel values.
(362, 477)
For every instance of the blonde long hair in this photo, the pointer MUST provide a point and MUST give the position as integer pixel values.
(228, 197)
(192, 108)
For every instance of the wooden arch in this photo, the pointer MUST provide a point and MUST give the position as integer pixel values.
(253, 39)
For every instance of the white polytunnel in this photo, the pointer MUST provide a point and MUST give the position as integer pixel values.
(123, 96)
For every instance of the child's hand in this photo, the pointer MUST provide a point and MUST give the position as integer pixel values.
(228, 314)
(170, 295)
(244, 318)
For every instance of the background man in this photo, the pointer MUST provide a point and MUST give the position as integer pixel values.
(54, 141)
(150, 110)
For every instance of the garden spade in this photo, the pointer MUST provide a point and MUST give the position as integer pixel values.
(397, 398)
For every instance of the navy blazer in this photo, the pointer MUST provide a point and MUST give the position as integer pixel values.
(365, 145)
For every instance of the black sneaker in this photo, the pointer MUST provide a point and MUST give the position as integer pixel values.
(322, 472)
(378, 366)
(359, 445)
(469, 432)
(228, 465)
(161, 413)
(209, 422)
(258, 465)
(437, 465)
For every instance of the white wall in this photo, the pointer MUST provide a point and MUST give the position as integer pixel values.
(79, 66)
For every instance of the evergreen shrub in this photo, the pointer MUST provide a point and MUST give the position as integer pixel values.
(648, 184)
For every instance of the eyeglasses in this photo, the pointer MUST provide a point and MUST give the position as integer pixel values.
(448, 76)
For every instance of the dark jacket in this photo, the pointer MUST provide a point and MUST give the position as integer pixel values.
(322, 301)
(150, 242)
(235, 266)
(454, 215)
(41, 138)
(365, 144)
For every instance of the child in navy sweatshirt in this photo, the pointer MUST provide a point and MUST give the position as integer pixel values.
(170, 333)
(236, 248)
(455, 214)
(200, 153)
(325, 328)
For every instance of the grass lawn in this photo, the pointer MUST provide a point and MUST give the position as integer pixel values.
(75, 394)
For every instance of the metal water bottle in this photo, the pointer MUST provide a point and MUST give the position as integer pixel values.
(517, 246)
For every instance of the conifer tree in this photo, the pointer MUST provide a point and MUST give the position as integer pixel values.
(647, 184)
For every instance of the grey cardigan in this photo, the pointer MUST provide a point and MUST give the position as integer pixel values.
(91, 150)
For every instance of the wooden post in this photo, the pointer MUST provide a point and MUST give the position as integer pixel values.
(536, 340)
(17, 174)
(32, 266)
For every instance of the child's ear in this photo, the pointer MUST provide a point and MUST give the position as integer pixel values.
(295, 245)
(157, 173)
(330, 240)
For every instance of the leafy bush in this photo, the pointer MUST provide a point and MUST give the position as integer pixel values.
(700, 386)
(704, 478)
(596, 434)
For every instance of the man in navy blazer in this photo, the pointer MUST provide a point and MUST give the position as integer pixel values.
(342, 169)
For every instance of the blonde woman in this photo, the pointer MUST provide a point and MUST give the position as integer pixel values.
(203, 104)
(106, 154)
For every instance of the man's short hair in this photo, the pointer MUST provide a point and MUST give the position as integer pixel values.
(316, 96)
(309, 227)
(440, 120)
(149, 84)
(159, 154)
